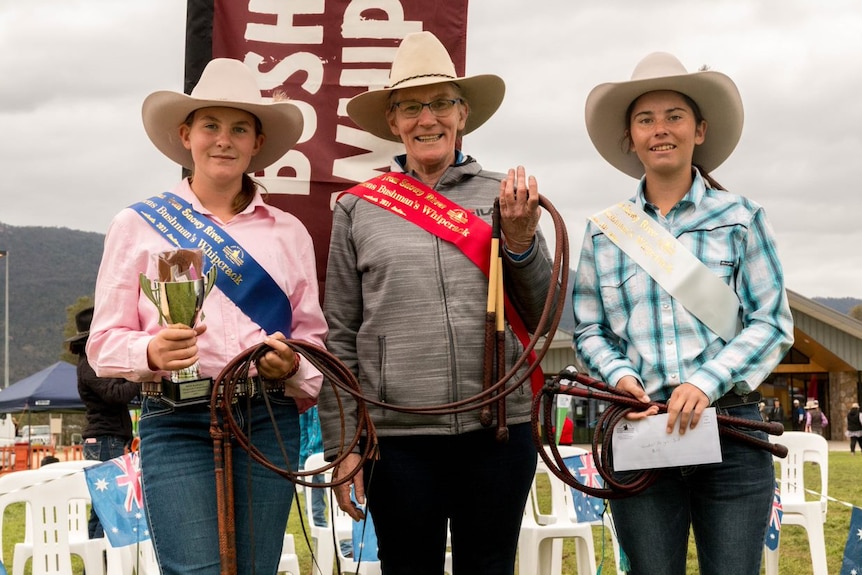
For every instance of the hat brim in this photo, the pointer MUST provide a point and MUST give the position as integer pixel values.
(78, 336)
(484, 94)
(715, 94)
(163, 112)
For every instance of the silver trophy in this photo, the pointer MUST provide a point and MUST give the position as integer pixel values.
(179, 295)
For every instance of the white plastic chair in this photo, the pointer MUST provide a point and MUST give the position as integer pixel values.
(539, 543)
(540, 546)
(56, 501)
(802, 448)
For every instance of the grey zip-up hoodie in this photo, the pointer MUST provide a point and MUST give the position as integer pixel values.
(406, 313)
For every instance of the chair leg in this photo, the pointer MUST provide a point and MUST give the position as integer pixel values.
(771, 559)
(817, 544)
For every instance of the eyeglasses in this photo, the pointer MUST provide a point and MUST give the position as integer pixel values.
(412, 108)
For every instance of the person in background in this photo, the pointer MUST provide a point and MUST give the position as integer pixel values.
(47, 460)
(815, 420)
(854, 427)
(798, 414)
(311, 442)
(107, 432)
(222, 132)
(391, 278)
(776, 414)
(649, 333)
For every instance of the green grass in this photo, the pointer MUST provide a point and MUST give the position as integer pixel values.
(844, 472)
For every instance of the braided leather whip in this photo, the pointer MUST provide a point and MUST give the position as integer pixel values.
(620, 404)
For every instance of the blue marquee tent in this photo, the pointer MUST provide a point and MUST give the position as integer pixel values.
(55, 388)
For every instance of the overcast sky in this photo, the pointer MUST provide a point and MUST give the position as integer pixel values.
(73, 74)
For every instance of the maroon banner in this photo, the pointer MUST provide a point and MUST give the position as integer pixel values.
(320, 54)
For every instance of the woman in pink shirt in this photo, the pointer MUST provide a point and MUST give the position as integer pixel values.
(265, 290)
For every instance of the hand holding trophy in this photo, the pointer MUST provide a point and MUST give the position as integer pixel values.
(178, 295)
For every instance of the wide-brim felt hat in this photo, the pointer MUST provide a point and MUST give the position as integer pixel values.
(422, 60)
(83, 319)
(715, 94)
(229, 83)
(812, 404)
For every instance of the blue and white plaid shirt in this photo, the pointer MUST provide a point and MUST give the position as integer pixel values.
(626, 324)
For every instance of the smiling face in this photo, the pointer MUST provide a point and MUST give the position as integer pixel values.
(663, 131)
(222, 142)
(428, 139)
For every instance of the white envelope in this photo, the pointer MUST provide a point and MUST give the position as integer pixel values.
(644, 444)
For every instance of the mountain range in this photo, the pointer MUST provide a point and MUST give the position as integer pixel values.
(50, 269)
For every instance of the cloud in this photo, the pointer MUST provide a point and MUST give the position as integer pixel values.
(74, 75)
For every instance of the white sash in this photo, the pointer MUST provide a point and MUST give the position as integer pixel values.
(677, 270)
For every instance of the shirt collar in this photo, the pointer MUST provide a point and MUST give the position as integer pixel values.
(184, 190)
(400, 162)
(693, 197)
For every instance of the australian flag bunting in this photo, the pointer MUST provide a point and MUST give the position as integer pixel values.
(774, 529)
(117, 497)
(587, 507)
(852, 563)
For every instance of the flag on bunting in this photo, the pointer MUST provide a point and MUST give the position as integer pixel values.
(364, 536)
(852, 564)
(582, 468)
(774, 529)
(117, 497)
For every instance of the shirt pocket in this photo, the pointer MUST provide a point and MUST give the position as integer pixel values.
(621, 290)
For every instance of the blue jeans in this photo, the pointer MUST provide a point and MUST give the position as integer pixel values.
(101, 448)
(470, 481)
(179, 485)
(726, 504)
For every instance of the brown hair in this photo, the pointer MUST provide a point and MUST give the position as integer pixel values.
(626, 141)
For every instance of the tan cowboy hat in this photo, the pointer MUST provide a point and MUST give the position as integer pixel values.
(812, 404)
(422, 60)
(715, 94)
(224, 83)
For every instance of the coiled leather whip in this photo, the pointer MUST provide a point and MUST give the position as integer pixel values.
(620, 404)
(341, 378)
(225, 430)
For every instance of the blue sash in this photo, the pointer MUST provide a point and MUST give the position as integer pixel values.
(239, 276)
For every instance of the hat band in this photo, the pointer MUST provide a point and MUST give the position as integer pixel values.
(401, 81)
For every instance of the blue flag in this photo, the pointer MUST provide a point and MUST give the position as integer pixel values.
(117, 497)
(774, 529)
(582, 468)
(852, 564)
(364, 538)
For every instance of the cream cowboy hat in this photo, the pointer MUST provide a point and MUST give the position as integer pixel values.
(224, 83)
(715, 94)
(422, 60)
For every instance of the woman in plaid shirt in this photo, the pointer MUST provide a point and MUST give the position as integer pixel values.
(669, 128)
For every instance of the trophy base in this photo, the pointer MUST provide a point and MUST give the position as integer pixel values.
(182, 393)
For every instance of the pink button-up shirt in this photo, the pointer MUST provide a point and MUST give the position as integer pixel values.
(125, 320)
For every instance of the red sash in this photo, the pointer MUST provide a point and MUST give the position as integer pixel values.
(412, 200)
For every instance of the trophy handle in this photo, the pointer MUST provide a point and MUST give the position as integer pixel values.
(147, 289)
(210, 280)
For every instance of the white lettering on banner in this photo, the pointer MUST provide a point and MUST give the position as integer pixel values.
(394, 26)
(283, 28)
(363, 21)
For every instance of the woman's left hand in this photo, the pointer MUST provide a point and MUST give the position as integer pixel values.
(279, 361)
(686, 403)
(519, 210)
